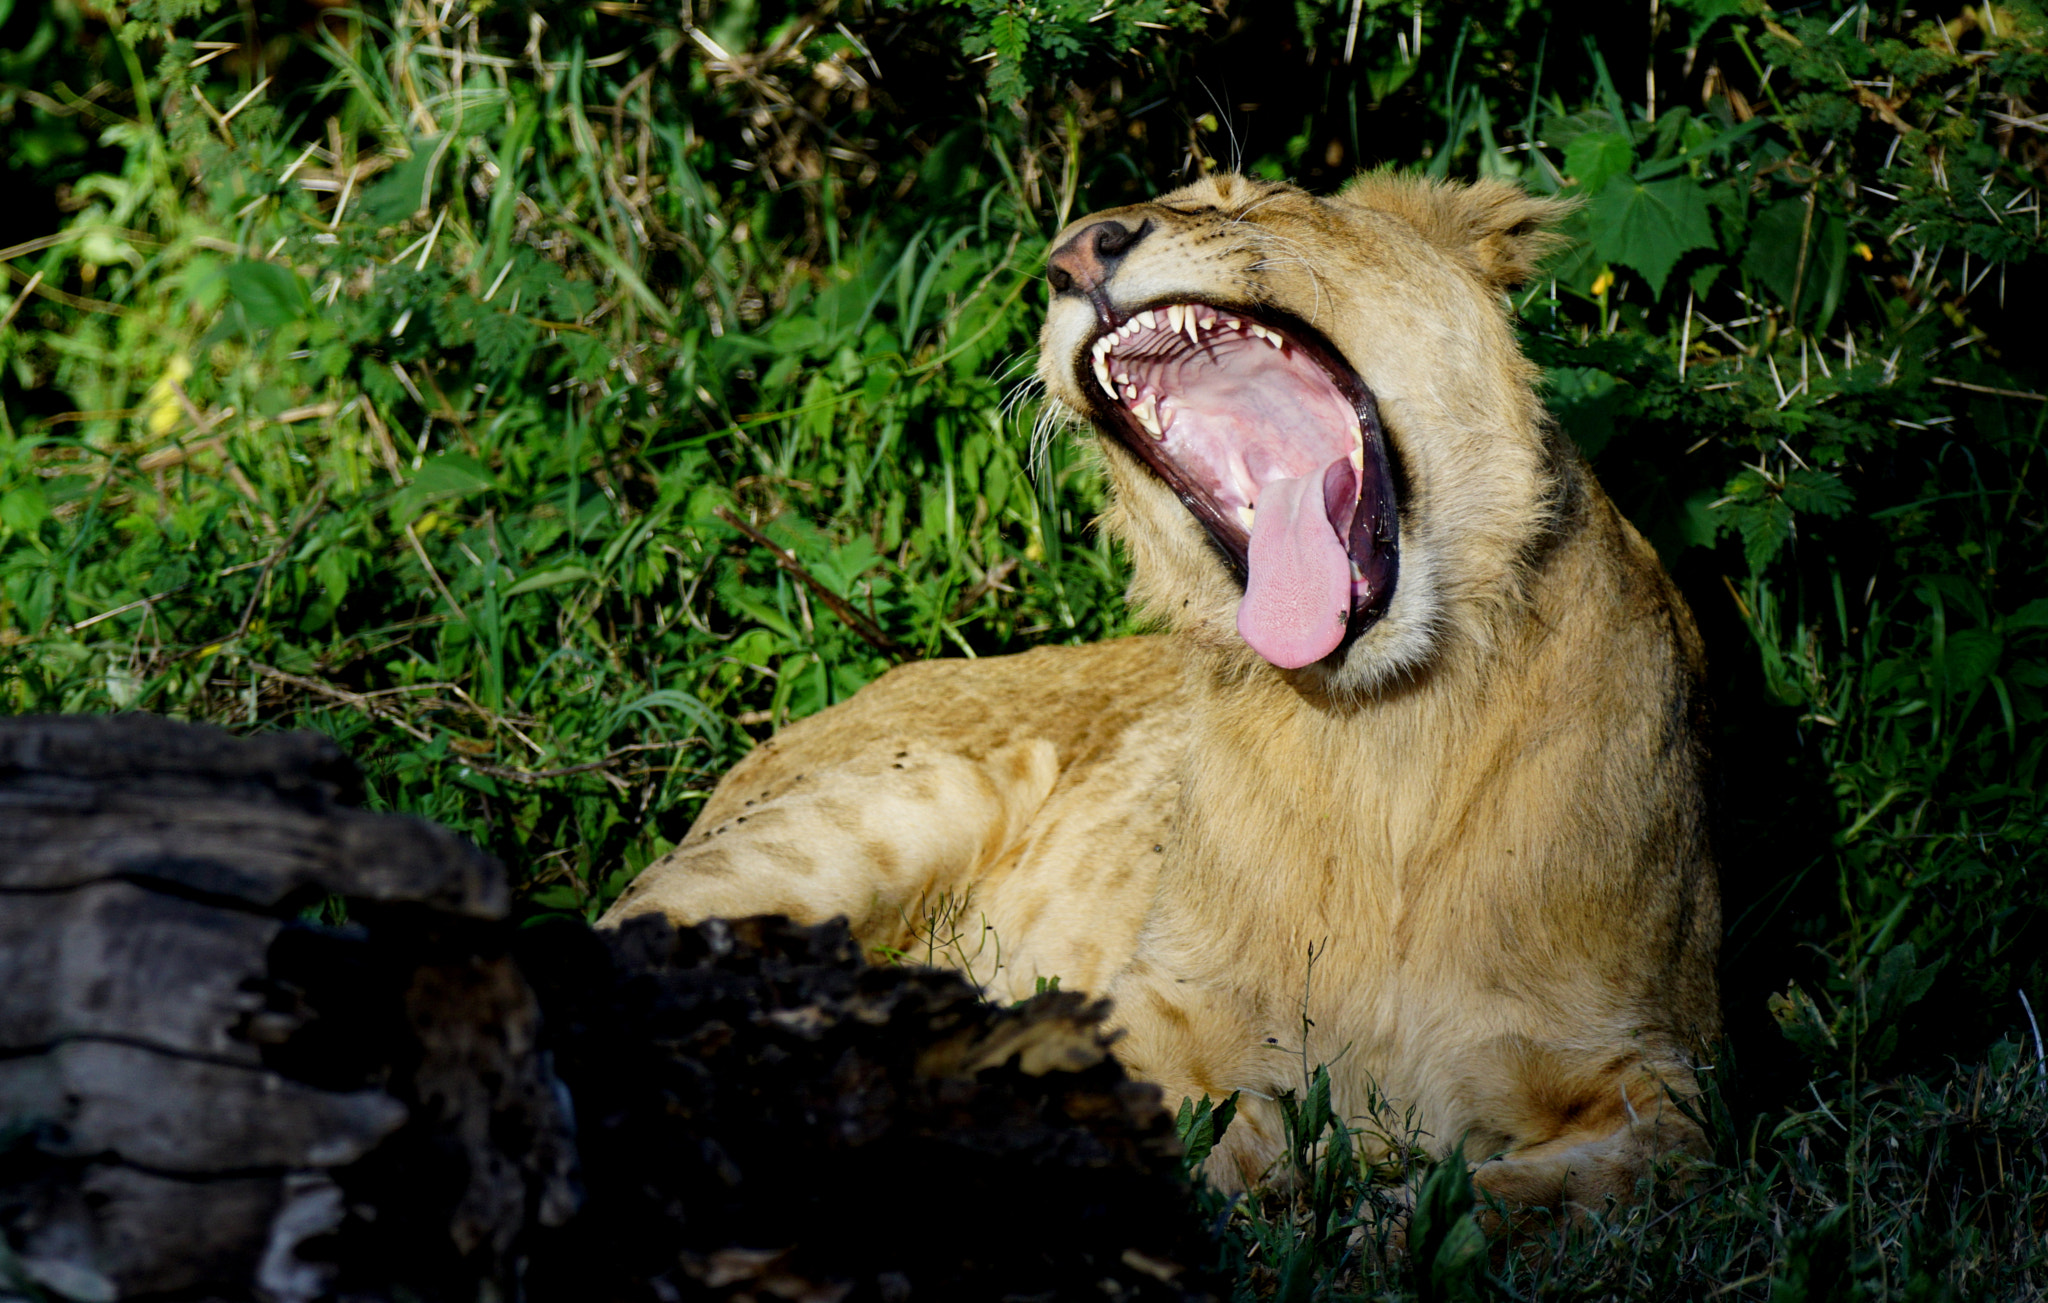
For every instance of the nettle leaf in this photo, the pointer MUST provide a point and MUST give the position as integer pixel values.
(1596, 157)
(1817, 493)
(1649, 227)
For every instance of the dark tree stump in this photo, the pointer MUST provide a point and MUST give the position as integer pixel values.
(205, 1096)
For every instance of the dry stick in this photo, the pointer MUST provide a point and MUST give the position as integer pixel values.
(988, 583)
(1799, 275)
(383, 436)
(854, 620)
(328, 690)
(435, 575)
(537, 775)
(20, 299)
(1987, 389)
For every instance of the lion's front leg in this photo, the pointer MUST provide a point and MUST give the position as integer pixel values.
(876, 838)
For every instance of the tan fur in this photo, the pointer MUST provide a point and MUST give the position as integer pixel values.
(1483, 818)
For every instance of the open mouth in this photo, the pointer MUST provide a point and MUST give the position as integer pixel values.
(1273, 442)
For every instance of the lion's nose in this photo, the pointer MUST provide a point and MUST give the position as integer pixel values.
(1085, 263)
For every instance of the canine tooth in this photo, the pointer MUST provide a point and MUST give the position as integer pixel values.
(1174, 314)
(1245, 516)
(1188, 326)
(1102, 375)
(1357, 575)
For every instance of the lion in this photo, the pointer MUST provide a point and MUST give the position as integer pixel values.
(1410, 784)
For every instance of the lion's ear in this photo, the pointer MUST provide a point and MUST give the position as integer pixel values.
(1498, 230)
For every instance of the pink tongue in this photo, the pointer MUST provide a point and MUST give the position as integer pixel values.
(1297, 592)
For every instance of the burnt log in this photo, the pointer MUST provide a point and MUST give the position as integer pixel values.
(208, 1092)
(195, 1080)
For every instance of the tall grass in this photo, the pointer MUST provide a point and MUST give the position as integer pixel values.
(386, 430)
(550, 404)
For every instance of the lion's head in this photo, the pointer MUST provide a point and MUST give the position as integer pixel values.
(1324, 443)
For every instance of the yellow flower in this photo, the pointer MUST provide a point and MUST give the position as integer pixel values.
(160, 406)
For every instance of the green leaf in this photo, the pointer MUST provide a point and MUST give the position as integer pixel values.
(450, 475)
(402, 191)
(270, 295)
(1441, 1251)
(1703, 13)
(1316, 1116)
(1765, 526)
(2034, 615)
(1197, 1128)
(1597, 157)
(1587, 401)
(1817, 492)
(1225, 1114)
(1009, 35)
(1969, 656)
(452, 472)
(23, 509)
(1649, 227)
(550, 578)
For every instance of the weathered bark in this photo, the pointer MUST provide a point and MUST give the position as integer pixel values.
(205, 1096)
(193, 1082)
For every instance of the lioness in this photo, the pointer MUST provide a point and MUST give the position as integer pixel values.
(1410, 786)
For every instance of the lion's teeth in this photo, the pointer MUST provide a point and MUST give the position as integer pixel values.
(1357, 575)
(1148, 319)
(1102, 375)
(1245, 516)
(1147, 413)
(1174, 312)
(1187, 323)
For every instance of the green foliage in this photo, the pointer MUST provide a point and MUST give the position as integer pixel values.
(550, 403)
